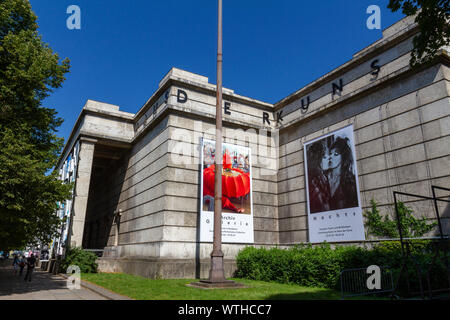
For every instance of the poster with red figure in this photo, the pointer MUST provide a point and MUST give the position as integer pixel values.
(237, 205)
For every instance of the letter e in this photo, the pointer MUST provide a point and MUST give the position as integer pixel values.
(227, 108)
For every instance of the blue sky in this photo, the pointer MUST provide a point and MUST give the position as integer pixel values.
(271, 47)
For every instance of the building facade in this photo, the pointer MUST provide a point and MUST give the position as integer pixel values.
(137, 177)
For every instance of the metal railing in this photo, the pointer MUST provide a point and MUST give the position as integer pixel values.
(440, 247)
(354, 282)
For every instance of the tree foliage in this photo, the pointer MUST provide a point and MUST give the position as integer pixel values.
(85, 260)
(388, 228)
(29, 146)
(433, 17)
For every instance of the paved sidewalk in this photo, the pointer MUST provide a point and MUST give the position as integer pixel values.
(44, 286)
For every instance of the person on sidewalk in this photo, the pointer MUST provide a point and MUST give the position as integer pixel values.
(21, 265)
(15, 264)
(31, 262)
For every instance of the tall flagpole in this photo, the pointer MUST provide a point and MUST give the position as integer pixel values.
(216, 273)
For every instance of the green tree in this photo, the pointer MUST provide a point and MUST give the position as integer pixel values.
(29, 146)
(433, 18)
(85, 260)
(388, 228)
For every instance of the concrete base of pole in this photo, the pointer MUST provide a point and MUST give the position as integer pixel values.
(225, 284)
(217, 278)
(217, 273)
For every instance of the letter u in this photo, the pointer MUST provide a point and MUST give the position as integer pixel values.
(308, 101)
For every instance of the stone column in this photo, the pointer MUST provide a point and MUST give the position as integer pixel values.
(117, 216)
(81, 192)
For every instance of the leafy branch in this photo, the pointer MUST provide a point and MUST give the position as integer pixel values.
(388, 228)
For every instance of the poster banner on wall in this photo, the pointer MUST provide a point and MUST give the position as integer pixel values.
(237, 205)
(332, 189)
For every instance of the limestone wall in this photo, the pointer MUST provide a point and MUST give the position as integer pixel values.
(140, 186)
(402, 144)
(183, 189)
(159, 188)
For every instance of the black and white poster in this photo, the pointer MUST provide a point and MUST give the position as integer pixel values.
(333, 199)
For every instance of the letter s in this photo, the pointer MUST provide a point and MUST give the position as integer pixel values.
(376, 68)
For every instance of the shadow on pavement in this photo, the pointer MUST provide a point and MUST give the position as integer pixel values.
(11, 284)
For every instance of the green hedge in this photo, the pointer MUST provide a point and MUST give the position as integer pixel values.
(321, 265)
(84, 259)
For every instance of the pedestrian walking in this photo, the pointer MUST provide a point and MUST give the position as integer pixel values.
(15, 264)
(31, 262)
(21, 264)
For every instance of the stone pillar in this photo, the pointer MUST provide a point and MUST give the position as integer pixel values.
(81, 192)
(117, 216)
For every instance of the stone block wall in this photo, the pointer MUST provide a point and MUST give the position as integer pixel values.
(401, 119)
(142, 196)
(402, 144)
(183, 189)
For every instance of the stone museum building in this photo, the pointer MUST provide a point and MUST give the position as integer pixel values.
(136, 176)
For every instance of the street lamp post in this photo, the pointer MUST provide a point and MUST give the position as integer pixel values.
(216, 273)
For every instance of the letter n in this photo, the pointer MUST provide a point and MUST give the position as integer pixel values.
(338, 87)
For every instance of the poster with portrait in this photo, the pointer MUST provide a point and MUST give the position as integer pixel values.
(332, 189)
(237, 205)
